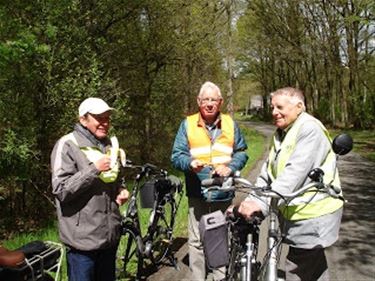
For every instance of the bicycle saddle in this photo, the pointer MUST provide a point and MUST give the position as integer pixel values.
(11, 258)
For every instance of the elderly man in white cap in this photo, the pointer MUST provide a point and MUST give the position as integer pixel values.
(88, 192)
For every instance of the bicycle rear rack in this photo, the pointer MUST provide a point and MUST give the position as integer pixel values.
(48, 262)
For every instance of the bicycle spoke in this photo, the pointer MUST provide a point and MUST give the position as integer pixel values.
(233, 269)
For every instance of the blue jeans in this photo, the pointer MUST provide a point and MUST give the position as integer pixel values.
(96, 265)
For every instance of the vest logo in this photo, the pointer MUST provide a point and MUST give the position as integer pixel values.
(289, 147)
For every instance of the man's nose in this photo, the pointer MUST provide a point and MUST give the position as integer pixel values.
(104, 121)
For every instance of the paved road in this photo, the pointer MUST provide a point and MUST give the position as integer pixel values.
(352, 258)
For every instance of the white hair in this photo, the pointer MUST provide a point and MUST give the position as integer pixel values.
(209, 85)
(295, 95)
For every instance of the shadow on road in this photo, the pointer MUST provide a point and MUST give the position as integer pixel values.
(169, 271)
(353, 256)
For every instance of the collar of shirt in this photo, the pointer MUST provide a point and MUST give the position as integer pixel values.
(282, 132)
(216, 124)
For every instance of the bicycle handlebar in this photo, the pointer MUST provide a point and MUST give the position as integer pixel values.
(341, 145)
(146, 169)
(150, 169)
(227, 184)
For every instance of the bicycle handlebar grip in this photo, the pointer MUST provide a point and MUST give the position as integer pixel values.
(236, 213)
(336, 189)
(175, 182)
(150, 167)
(212, 182)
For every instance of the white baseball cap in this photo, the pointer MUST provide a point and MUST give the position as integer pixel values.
(94, 106)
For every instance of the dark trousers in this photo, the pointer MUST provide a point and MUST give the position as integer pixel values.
(306, 265)
(97, 265)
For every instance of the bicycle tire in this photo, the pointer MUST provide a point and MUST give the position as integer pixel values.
(163, 236)
(234, 267)
(240, 232)
(129, 261)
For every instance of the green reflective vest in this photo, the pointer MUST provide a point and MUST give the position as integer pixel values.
(93, 154)
(311, 204)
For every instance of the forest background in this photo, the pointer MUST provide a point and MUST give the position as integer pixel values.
(148, 58)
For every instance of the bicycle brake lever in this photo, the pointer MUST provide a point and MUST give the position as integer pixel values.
(227, 184)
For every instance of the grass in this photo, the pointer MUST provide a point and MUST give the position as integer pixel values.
(47, 234)
(256, 146)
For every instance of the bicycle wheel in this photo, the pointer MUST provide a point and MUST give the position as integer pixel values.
(242, 264)
(163, 235)
(128, 259)
(234, 266)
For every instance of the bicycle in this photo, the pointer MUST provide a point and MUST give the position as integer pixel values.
(243, 236)
(155, 246)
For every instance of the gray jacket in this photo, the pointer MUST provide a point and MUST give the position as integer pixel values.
(88, 215)
(310, 152)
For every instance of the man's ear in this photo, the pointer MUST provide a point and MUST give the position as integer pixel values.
(83, 120)
(198, 102)
(300, 107)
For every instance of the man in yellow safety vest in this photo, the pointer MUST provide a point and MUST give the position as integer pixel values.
(207, 143)
(311, 221)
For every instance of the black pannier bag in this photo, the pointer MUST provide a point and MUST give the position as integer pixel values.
(157, 188)
(214, 235)
(147, 194)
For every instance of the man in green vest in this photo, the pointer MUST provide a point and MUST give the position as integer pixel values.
(207, 143)
(87, 187)
(310, 222)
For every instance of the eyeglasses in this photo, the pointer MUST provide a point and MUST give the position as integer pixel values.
(212, 100)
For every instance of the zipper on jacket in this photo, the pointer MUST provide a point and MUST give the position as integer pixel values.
(78, 218)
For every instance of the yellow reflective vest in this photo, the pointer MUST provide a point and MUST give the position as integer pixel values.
(211, 152)
(311, 204)
(93, 154)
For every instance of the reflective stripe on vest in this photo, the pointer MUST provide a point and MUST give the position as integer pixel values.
(93, 154)
(311, 204)
(201, 147)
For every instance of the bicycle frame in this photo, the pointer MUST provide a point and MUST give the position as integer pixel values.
(131, 217)
(248, 259)
(273, 244)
